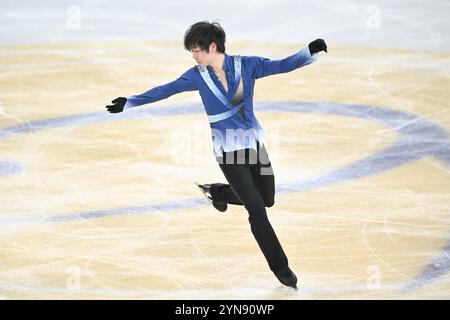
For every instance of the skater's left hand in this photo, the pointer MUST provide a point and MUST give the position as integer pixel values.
(119, 104)
(317, 46)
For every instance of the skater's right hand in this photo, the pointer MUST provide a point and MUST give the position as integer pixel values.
(117, 106)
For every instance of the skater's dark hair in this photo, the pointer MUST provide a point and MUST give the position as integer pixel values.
(202, 34)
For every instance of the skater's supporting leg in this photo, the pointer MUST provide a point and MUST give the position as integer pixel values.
(241, 182)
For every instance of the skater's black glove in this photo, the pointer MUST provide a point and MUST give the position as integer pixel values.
(118, 105)
(317, 46)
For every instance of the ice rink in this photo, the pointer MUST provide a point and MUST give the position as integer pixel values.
(104, 206)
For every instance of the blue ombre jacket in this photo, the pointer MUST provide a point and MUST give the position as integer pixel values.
(239, 130)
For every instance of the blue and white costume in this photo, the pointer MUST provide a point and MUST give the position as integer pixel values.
(231, 116)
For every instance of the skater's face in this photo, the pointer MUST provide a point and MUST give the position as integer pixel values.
(204, 58)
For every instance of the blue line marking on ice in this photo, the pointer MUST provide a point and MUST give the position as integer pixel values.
(9, 168)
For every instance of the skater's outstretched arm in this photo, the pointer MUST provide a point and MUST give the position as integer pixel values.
(183, 83)
(263, 67)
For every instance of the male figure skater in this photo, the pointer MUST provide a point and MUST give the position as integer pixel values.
(226, 86)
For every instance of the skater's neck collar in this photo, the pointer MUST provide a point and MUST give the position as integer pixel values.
(225, 64)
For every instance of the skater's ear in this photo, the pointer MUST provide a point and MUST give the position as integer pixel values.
(213, 47)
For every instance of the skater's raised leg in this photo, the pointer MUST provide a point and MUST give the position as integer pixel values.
(222, 192)
(219, 205)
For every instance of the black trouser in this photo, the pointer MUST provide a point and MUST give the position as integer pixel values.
(252, 184)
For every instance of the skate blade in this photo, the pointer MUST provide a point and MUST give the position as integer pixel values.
(203, 192)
